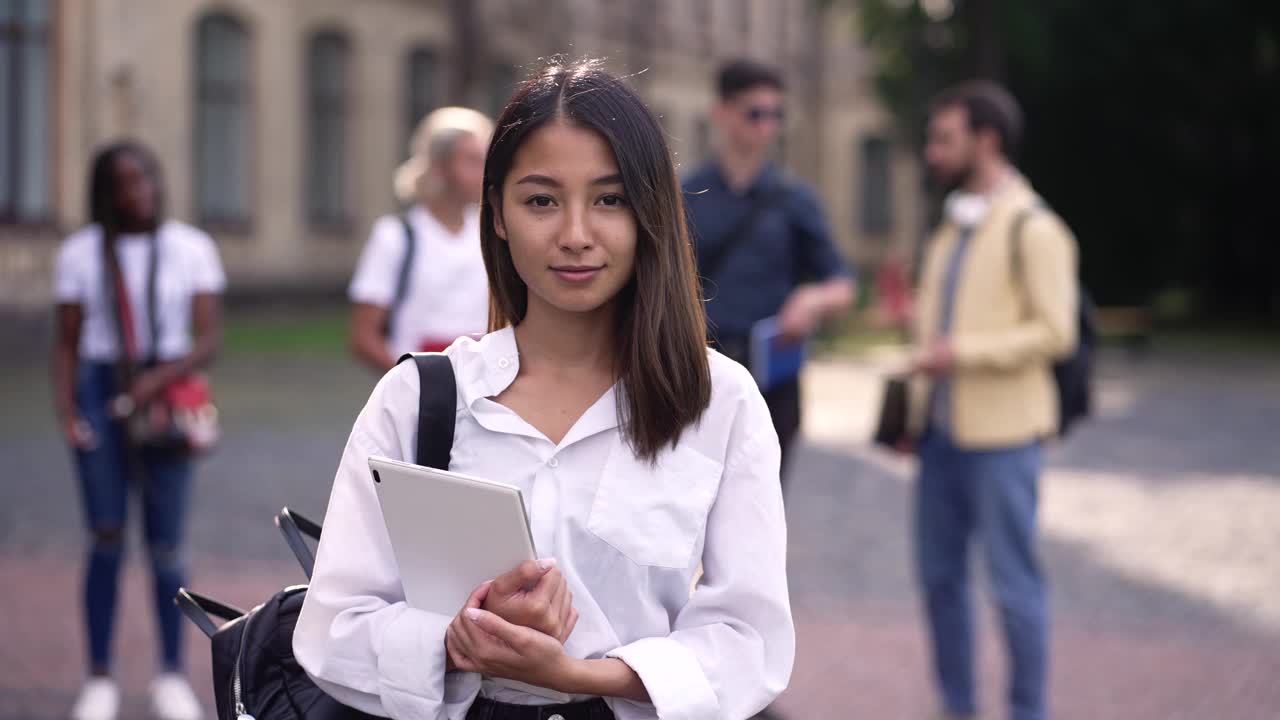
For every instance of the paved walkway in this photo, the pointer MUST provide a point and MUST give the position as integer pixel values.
(1162, 539)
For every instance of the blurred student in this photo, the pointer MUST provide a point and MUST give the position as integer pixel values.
(764, 248)
(421, 283)
(114, 353)
(997, 306)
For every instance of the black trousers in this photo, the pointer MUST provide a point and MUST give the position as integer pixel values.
(484, 709)
(783, 401)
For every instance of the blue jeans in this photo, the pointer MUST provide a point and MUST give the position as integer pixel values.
(990, 494)
(106, 473)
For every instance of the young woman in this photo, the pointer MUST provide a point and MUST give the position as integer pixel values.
(104, 334)
(641, 455)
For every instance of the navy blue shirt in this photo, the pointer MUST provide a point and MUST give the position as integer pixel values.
(788, 243)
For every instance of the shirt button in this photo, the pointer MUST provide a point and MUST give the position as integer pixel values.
(555, 463)
(504, 363)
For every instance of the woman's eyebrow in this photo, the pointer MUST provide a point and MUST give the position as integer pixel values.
(538, 180)
(612, 179)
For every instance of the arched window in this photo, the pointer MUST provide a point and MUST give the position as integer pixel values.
(877, 186)
(421, 90)
(222, 122)
(26, 83)
(328, 56)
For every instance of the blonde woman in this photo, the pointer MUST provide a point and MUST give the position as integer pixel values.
(421, 282)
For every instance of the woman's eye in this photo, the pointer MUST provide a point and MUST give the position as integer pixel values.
(613, 201)
(540, 201)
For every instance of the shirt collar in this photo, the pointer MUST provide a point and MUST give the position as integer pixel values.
(487, 367)
(969, 209)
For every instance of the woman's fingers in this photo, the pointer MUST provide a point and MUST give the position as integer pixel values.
(478, 595)
(570, 624)
(453, 645)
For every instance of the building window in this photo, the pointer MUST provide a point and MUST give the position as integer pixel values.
(877, 199)
(422, 89)
(502, 84)
(26, 82)
(703, 31)
(222, 120)
(327, 82)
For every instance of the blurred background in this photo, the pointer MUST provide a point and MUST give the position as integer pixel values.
(1153, 128)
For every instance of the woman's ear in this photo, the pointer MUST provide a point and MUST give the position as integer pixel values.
(495, 202)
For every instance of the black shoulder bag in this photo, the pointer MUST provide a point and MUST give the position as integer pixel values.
(255, 675)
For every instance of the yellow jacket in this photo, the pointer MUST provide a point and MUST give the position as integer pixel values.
(1011, 320)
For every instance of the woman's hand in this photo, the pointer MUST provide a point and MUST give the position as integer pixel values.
(534, 595)
(147, 386)
(479, 641)
(78, 432)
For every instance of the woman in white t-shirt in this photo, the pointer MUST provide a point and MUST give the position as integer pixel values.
(105, 335)
(643, 457)
(425, 298)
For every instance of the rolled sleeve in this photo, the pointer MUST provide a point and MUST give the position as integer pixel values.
(68, 277)
(678, 688)
(207, 274)
(732, 646)
(378, 271)
(821, 260)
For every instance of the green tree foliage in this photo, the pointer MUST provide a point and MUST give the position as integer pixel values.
(1153, 127)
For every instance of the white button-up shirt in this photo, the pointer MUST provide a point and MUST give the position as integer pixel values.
(629, 538)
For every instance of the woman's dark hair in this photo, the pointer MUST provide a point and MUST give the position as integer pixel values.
(661, 333)
(739, 76)
(102, 182)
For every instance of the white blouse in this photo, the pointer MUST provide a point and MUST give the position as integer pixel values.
(189, 266)
(628, 536)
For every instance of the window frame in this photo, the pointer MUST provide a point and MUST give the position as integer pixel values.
(15, 35)
(245, 96)
(339, 222)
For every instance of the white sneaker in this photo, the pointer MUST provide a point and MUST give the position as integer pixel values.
(99, 700)
(173, 699)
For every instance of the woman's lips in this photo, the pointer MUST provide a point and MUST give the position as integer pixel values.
(576, 273)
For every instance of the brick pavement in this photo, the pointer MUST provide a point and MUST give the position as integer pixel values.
(1160, 537)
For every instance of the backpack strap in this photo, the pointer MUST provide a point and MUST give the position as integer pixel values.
(198, 608)
(293, 526)
(1015, 235)
(437, 408)
(406, 270)
(736, 236)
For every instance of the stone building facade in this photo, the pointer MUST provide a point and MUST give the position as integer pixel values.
(279, 122)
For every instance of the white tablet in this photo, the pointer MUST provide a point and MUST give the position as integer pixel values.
(450, 532)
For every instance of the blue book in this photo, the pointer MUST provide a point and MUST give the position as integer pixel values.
(774, 358)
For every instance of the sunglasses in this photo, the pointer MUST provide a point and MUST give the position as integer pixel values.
(759, 114)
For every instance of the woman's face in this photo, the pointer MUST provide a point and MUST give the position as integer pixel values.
(136, 194)
(567, 220)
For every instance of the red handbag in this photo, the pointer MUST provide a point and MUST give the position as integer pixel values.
(183, 418)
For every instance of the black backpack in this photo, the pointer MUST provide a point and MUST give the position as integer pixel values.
(1073, 375)
(255, 676)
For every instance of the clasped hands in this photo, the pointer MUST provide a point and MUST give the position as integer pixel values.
(515, 627)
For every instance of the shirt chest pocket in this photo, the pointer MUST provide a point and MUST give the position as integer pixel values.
(654, 514)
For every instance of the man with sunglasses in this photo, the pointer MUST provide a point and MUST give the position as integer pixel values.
(764, 248)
